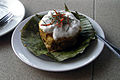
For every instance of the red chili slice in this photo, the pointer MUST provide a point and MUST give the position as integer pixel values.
(45, 24)
(62, 15)
(55, 11)
(61, 19)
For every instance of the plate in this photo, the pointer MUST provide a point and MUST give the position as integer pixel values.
(16, 8)
(22, 53)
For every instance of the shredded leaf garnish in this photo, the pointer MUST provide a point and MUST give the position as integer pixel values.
(59, 19)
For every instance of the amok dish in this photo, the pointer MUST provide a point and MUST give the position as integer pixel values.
(59, 34)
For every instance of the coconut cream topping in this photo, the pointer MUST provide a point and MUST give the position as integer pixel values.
(64, 26)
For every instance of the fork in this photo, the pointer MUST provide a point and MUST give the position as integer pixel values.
(110, 45)
(6, 18)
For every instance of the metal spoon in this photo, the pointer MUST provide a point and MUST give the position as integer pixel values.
(110, 45)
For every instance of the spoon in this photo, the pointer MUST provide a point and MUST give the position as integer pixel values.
(110, 45)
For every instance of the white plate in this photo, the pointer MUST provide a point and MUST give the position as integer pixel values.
(92, 52)
(16, 8)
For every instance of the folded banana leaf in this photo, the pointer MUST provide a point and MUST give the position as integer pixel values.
(31, 38)
(32, 41)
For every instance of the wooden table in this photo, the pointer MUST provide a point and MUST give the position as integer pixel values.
(105, 67)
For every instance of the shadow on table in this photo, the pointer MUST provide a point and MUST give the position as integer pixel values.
(83, 73)
(6, 39)
(106, 65)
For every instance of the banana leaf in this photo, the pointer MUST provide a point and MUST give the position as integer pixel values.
(32, 41)
(66, 8)
(31, 38)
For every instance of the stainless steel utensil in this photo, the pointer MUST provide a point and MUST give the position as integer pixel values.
(6, 18)
(110, 45)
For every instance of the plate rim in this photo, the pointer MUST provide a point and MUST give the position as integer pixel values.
(43, 12)
(19, 21)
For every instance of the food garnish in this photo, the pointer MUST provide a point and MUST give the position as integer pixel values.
(59, 20)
